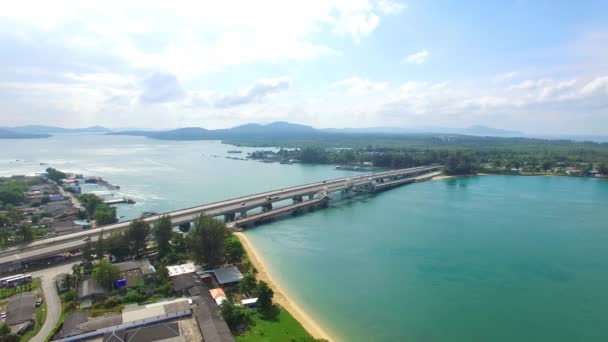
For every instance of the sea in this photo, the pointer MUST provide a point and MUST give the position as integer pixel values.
(488, 258)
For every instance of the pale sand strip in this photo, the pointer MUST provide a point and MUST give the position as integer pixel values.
(280, 296)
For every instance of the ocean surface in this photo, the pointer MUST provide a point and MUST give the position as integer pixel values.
(495, 258)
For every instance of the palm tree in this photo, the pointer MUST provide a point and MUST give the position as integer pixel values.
(68, 282)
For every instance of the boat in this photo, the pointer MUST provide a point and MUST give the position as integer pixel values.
(235, 151)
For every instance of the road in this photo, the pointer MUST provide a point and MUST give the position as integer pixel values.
(53, 304)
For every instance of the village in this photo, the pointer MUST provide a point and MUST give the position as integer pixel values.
(138, 285)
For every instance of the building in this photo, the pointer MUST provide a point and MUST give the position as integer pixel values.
(89, 289)
(136, 270)
(20, 312)
(210, 321)
(175, 270)
(183, 282)
(228, 275)
(218, 295)
(161, 332)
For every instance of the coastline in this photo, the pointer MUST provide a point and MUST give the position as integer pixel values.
(280, 297)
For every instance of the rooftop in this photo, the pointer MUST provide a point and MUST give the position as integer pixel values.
(175, 270)
(161, 332)
(228, 275)
(185, 281)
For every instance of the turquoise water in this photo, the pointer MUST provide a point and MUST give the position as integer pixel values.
(477, 259)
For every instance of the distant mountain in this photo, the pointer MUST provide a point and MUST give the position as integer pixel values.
(275, 129)
(487, 131)
(8, 134)
(40, 129)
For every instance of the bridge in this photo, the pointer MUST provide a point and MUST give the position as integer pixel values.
(238, 213)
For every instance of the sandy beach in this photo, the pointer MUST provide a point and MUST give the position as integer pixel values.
(280, 297)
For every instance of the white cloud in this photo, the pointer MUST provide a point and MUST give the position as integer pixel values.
(390, 7)
(417, 57)
(261, 89)
(359, 86)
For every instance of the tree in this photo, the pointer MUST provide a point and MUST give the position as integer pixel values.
(6, 335)
(236, 317)
(106, 274)
(55, 175)
(117, 245)
(265, 294)
(87, 254)
(104, 214)
(248, 283)
(26, 233)
(100, 246)
(138, 232)
(234, 249)
(68, 282)
(162, 235)
(207, 241)
(90, 203)
(4, 220)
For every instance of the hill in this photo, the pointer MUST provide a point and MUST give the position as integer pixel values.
(8, 134)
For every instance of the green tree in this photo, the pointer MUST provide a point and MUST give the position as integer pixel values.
(207, 241)
(237, 318)
(248, 283)
(67, 282)
(4, 220)
(90, 203)
(138, 232)
(6, 335)
(162, 234)
(26, 233)
(117, 245)
(100, 246)
(265, 294)
(104, 214)
(234, 249)
(87, 254)
(55, 175)
(106, 274)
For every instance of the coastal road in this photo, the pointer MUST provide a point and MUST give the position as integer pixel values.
(53, 304)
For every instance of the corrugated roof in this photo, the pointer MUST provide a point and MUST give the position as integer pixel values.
(227, 275)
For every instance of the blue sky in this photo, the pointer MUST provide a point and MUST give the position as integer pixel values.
(534, 66)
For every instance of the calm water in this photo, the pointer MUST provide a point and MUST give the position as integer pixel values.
(476, 259)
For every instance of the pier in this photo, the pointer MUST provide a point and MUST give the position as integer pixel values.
(238, 213)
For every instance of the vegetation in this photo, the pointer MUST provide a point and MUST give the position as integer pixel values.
(106, 274)
(162, 236)
(104, 214)
(12, 192)
(55, 175)
(6, 335)
(137, 234)
(283, 328)
(207, 241)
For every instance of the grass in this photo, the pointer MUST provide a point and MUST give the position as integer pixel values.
(8, 292)
(284, 328)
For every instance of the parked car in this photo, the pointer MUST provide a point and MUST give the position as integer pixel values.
(38, 301)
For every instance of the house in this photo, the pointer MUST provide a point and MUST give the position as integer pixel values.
(56, 198)
(249, 302)
(161, 332)
(183, 282)
(209, 319)
(20, 312)
(228, 275)
(218, 295)
(89, 289)
(175, 270)
(135, 270)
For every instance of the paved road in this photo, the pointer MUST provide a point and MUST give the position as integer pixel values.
(53, 305)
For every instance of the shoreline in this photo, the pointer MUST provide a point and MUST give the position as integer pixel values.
(280, 296)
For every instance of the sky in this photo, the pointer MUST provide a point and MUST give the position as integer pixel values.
(533, 66)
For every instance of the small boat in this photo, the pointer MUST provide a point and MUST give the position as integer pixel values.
(235, 151)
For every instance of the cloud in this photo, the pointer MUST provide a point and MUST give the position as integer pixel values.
(389, 7)
(255, 93)
(359, 86)
(416, 58)
(161, 87)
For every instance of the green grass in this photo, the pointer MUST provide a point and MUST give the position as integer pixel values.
(284, 329)
(8, 292)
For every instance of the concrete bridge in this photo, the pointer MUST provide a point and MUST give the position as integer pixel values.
(237, 213)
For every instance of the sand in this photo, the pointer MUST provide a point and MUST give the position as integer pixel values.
(280, 297)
